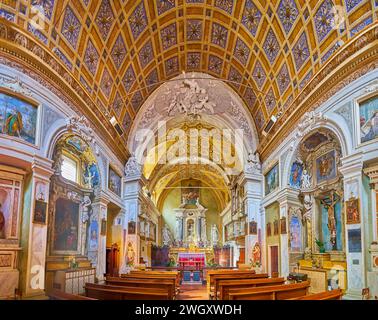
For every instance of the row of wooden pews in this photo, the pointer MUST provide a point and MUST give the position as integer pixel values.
(247, 285)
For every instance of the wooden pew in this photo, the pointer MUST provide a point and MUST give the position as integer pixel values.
(225, 285)
(327, 295)
(281, 292)
(148, 275)
(108, 292)
(166, 284)
(212, 286)
(61, 295)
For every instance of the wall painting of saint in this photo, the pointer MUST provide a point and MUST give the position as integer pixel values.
(66, 226)
(369, 119)
(18, 118)
(326, 166)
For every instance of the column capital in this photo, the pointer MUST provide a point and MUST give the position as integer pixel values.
(351, 166)
(42, 167)
(372, 173)
(288, 195)
(101, 198)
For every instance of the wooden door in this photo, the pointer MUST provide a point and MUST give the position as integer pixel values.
(242, 256)
(273, 259)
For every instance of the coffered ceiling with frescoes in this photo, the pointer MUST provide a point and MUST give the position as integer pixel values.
(121, 50)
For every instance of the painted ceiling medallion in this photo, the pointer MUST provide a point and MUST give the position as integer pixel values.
(288, 13)
(138, 20)
(129, 78)
(283, 79)
(259, 74)
(251, 17)
(194, 30)
(215, 64)
(225, 5)
(71, 27)
(105, 19)
(146, 54)
(270, 100)
(301, 51)
(172, 66)
(106, 83)
(119, 52)
(91, 57)
(169, 36)
(271, 46)
(324, 19)
(242, 52)
(219, 35)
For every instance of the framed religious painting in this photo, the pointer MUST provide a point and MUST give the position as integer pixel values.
(354, 240)
(103, 227)
(368, 119)
(352, 208)
(283, 225)
(253, 227)
(276, 228)
(296, 174)
(269, 229)
(272, 180)
(326, 167)
(40, 209)
(18, 118)
(115, 182)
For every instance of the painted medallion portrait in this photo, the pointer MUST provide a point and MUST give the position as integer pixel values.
(18, 118)
(326, 166)
(369, 119)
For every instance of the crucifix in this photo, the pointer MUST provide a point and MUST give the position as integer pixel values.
(329, 204)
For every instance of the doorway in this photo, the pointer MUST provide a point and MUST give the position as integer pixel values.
(273, 259)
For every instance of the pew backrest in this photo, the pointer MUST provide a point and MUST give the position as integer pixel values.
(327, 295)
(280, 292)
(225, 285)
(108, 292)
(61, 295)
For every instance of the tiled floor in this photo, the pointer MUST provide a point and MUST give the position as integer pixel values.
(193, 292)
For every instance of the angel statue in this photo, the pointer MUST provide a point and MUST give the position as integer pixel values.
(167, 237)
(214, 234)
(306, 180)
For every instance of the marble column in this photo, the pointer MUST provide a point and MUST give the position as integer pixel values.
(252, 182)
(286, 199)
(133, 183)
(99, 214)
(351, 170)
(34, 235)
(372, 274)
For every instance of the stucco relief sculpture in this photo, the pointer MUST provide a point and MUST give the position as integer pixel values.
(191, 100)
(132, 167)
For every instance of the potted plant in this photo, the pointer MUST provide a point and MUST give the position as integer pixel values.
(320, 245)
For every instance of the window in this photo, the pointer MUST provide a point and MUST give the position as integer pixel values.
(69, 169)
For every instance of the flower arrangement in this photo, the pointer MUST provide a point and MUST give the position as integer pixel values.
(320, 245)
(73, 263)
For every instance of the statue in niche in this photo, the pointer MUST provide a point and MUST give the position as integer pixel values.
(130, 254)
(214, 234)
(307, 217)
(167, 237)
(306, 180)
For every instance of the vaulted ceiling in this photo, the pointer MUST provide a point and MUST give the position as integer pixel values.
(121, 50)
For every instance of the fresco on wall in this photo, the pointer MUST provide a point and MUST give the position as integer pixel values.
(295, 239)
(296, 174)
(369, 119)
(331, 225)
(66, 225)
(271, 180)
(114, 182)
(315, 140)
(18, 118)
(326, 166)
(190, 192)
(5, 210)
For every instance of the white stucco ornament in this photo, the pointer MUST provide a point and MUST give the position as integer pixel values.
(133, 167)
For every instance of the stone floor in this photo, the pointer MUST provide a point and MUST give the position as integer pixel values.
(193, 292)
